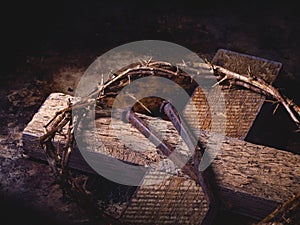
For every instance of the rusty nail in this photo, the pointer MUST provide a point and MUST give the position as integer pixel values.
(191, 141)
(164, 147)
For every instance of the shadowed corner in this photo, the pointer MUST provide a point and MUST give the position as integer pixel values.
(16, 211)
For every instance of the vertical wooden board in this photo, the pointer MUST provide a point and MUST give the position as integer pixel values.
(241, 105)
(166, 199)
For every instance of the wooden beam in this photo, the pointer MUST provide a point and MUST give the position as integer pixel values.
(252, 178)
(242, 105)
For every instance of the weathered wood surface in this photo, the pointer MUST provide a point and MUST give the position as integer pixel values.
(242, 105)
(252, 179)
(166, 199)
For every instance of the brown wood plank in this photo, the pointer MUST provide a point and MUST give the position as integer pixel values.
(242, 106)
(166, 199)
(252, 178)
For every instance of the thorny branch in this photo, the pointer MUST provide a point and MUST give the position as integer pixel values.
(63, 123)
(259, 85)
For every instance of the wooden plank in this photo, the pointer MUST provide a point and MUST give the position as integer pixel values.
(250, 176)
(242, 106)
(166, 199)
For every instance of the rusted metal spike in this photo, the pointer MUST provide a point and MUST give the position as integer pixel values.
(186, 134)
(164, 147)
(200, 177)
(204, 179)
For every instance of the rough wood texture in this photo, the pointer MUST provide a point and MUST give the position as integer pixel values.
(166, 199)
(242, 106)
(253, 179)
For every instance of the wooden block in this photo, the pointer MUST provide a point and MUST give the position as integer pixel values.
(252, 179)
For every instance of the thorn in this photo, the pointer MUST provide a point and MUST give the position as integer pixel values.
(45, 129)
(209, 64)
(138, 101)
(148, 61)
(102, 79)
(112, 75)
(143, 62)
(100, 85)
(177, 70)
(223, 79)
(276, 107)
(192, 78)
(290, 102)
(252, 76)
(271, 101)
(249, 70)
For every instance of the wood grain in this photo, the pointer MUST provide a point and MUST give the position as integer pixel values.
(252, 179)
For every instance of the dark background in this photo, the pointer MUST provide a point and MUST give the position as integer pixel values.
(46, 44)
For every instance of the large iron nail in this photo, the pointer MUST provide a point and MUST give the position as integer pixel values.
(191, 141)
(167, 150)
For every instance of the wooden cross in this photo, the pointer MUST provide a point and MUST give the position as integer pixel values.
(252, 179)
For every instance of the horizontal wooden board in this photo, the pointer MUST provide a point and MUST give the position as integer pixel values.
(252, 179)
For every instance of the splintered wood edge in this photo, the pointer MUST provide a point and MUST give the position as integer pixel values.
(252, 178)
